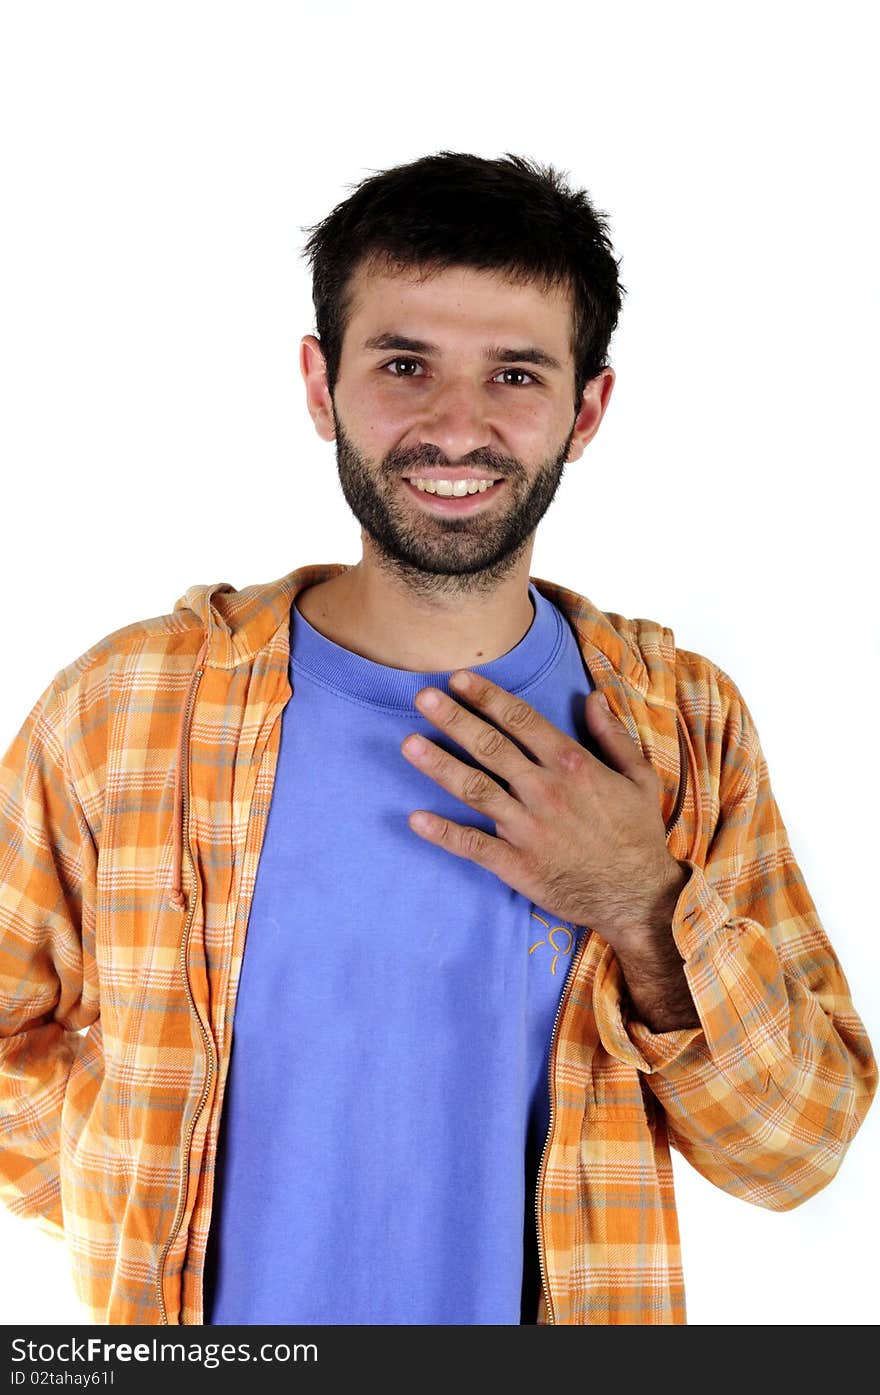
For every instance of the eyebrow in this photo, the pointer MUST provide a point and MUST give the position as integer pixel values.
(494, 355)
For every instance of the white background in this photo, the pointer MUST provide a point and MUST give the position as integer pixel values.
(159, 164)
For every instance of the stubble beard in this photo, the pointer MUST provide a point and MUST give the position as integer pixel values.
(451, 556)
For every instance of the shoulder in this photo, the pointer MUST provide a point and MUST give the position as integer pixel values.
(138, 669)
(139, 647)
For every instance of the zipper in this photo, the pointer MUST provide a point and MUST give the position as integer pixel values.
(551, 1064)
(539, 1190)
(181, 1199)
(683, 775)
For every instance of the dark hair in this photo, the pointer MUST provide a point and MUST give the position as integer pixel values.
(509, 215)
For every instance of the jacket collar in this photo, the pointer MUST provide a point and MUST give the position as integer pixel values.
(632, 661)
(238, 623)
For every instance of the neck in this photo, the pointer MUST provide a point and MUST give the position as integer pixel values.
(373, 611)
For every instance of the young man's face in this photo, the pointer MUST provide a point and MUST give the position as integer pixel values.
(438, 381)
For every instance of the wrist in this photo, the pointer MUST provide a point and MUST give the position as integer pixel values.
(678, 876)
(652, 965)
(651, 928)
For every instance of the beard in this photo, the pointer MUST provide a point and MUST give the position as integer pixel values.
(434, 555)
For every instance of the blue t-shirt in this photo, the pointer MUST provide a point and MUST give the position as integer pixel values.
(387, 1099)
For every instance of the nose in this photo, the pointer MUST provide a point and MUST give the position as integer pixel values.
(456, 420)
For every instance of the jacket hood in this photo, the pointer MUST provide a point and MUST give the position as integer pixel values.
(632, 661)
(237, 623)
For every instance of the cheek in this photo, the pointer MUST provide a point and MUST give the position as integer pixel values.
(534, 419)
(383, 402)
(372, 419)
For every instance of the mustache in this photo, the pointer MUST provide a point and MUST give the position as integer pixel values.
(402, 461)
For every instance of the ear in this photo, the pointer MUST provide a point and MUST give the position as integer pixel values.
(313, 367)
(596, 396)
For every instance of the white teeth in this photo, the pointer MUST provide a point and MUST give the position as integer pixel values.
(453, 488)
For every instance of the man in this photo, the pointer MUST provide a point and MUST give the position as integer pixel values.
(403, 957)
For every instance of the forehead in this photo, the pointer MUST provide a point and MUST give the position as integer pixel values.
(458, 301)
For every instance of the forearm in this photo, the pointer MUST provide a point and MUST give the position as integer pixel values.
(653, 969)
(764, 1096)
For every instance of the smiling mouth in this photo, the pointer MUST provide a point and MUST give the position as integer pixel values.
(455, 488)
(441, 496)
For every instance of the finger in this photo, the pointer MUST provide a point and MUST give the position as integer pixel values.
(473, 787)
(525, 724)
(480, 739)
(471, 844)
(623, 753)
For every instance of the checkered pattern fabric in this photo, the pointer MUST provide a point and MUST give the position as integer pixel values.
(133, 804)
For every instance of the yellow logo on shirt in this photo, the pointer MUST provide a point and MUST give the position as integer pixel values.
(559, 948)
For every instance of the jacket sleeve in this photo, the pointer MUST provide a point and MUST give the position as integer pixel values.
(765, 1096)
(47, 883)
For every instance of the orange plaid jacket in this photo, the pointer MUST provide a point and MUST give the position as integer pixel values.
(133, 804)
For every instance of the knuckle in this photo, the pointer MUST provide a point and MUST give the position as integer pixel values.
(478, 788)
(573, 759)
(472, 842)
(518, 715)
(491, 743)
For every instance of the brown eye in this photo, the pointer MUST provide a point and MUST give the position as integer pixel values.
(522, 373)
(396, 361)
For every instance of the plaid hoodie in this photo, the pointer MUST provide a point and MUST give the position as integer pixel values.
(133, 804)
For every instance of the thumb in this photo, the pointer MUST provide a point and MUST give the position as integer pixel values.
(614, 739)
(598, 709)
